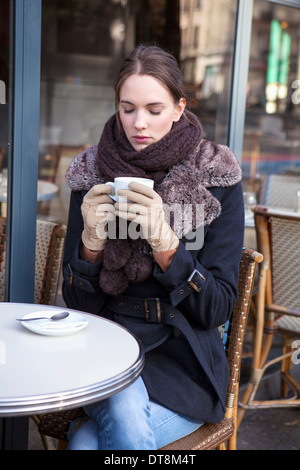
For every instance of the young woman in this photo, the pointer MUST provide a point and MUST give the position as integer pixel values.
(152, 135)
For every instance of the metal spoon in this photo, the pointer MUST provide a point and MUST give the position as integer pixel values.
(55, 317)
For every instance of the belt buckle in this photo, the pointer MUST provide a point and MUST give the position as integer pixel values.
(194, 284)
(158, 310)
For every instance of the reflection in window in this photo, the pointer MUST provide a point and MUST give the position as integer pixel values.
(206, 53)
(271, 140)
(89, 27)
(201, 35)
(83, 42)
(4, 86)
(4, 97)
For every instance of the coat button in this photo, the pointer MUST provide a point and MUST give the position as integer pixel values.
(181, 291)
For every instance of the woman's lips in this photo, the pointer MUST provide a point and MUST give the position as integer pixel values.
(141, 138)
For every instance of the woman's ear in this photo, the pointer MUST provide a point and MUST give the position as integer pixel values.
(179, 110)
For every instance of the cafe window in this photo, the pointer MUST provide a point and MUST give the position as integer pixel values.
(83, 43)
(271, 150)
(207, 63)
(4, 97)
(4, 124)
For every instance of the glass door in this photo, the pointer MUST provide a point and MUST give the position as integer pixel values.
(271, 150)
(20, 29)
(4, 137)
(82, 45)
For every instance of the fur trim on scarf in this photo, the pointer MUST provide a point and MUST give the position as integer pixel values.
(184, 190)
(186, 184)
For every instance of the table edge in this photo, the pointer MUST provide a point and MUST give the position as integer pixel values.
(39, 404)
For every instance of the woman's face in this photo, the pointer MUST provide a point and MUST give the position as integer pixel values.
(147, 110)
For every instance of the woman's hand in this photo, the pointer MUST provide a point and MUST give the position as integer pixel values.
(145, 207)
(97, 210)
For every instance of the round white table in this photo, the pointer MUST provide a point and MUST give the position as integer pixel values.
(45, 190)
(41, 374)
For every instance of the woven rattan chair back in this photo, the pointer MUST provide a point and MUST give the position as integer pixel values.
(278, 302)
(285, 261)
(280, 191)
(210, 435)
(50, 239)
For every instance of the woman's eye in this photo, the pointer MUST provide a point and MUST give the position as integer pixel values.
(151, 111)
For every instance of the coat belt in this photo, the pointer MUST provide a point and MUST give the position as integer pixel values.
(152, 309)
(155, 310)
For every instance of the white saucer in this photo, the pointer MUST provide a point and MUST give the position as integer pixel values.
(70, 325)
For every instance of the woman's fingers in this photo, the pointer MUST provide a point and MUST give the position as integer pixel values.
(129, 211)
(99, 194)
(147, 198)
(99, 189)
(142, 188)
(106, 210)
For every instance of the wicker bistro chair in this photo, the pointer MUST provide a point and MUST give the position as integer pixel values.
(281, 191)
(277, 304)
(50, 238)
(208, 436)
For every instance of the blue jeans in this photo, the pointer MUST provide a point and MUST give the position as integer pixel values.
(130, 421)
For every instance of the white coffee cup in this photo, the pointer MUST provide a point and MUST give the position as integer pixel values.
(123, 182)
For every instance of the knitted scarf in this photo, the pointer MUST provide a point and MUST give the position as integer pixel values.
(116, 157)
(126, 260)
(183, 167)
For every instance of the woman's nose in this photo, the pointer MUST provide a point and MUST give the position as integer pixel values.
(140, 121)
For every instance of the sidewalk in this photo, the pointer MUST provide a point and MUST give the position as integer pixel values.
(270, 429)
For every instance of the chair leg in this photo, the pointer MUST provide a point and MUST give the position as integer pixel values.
(221, 446)
(231, 443)
(244, 401)
(266, 347)
(288, 382)
(49, 443)
(62, 445)
(286, 366)
(261, 347)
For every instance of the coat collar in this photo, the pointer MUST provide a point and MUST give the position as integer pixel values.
(186, 185)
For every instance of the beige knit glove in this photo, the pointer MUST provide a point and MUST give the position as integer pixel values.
(97, 210)
(145, 207)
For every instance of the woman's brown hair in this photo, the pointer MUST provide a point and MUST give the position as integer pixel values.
(154, 61)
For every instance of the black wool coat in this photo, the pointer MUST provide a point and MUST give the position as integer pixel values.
(185, 364)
